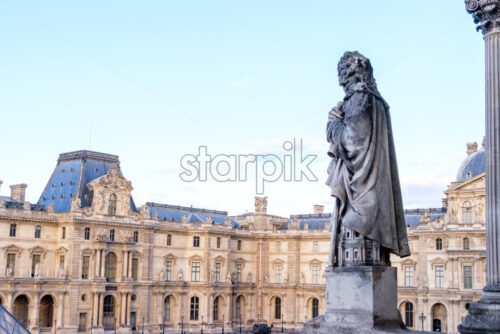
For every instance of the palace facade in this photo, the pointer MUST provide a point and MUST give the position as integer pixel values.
(447, 269)
(85, 259)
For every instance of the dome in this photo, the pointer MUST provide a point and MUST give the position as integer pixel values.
(473, 165)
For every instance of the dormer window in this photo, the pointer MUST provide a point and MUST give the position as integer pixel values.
(112, 205)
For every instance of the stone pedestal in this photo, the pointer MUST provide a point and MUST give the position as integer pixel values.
(361, 299)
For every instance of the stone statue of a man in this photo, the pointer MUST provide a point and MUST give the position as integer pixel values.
(363, 173)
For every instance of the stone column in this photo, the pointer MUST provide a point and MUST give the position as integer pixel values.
(101, 313)
(484, 316)
(103, 262)
(95, 312)
(97, 263)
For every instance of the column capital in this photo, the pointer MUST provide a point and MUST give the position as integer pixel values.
(486, 14)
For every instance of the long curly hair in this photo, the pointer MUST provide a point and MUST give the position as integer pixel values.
(357, 69)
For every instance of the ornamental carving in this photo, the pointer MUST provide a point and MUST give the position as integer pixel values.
(486, 14)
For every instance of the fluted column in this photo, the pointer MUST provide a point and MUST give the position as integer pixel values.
(484, 316)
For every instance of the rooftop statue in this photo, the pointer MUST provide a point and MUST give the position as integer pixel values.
(363, 173)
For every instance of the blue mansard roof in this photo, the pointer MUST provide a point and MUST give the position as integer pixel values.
(73, 172)
(174, 213)
(318, 220)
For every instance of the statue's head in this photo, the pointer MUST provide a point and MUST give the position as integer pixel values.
(355, 69)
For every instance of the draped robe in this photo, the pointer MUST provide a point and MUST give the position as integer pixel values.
(363, 173)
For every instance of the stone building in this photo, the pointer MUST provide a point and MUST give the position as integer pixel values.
(447, 269)
(85, 259)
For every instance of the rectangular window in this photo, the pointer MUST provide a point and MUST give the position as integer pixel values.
(217, 272)
(218, 242)
(467, 277)
(135, 268)
(61, 261)
(64, 232)
(278, 246)
(439, 276)
(278, 273)
(238, 245)
(315, 274)
(195, 271)
(316, 246)
(136, 236)
(12, 232)
(409, 276)
(87, 233)
(34, 261)
(196, 241)
(85, 267)
(38, 230)
(168, 271)
(238, 273)
(11, 262)
(169, 239)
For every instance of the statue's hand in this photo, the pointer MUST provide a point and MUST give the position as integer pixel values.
(336, 112)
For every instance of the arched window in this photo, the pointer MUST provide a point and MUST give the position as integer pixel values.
(238, 307)
(409, 314)
(467, 212)
(196, 241)
(277, 308)
(136, 236)
(112, 235)
(169, 239)
(112, 205)
(110, 267)
(195, 308)
(439, 244)
(46, 312)
(12, 232)
(21, 308)
(216, 309)
(315, 307)
(167, 305)
(86, 234)
(466, 243)
(38, 231)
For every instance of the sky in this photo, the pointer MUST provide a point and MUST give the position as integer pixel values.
(153, 81)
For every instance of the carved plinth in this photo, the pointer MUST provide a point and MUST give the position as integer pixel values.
(361, 299)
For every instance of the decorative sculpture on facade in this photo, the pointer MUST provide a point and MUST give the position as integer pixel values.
(368, 218)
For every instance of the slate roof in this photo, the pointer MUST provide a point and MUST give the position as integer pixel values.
(473, 165)
(74, 170)
(412, 216)
(174, 213)
(317, 221)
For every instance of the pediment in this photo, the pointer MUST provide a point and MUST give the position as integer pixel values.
(36, 250)
(438, 261)
(240, 260)
(219, 258)
(62, 249)
(408, 262)
(12, 249)
(474, 183)
(195, 258)
(87, 251)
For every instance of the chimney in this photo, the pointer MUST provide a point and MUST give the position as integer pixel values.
(471, 148)
(318, 208)
(18, 192)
